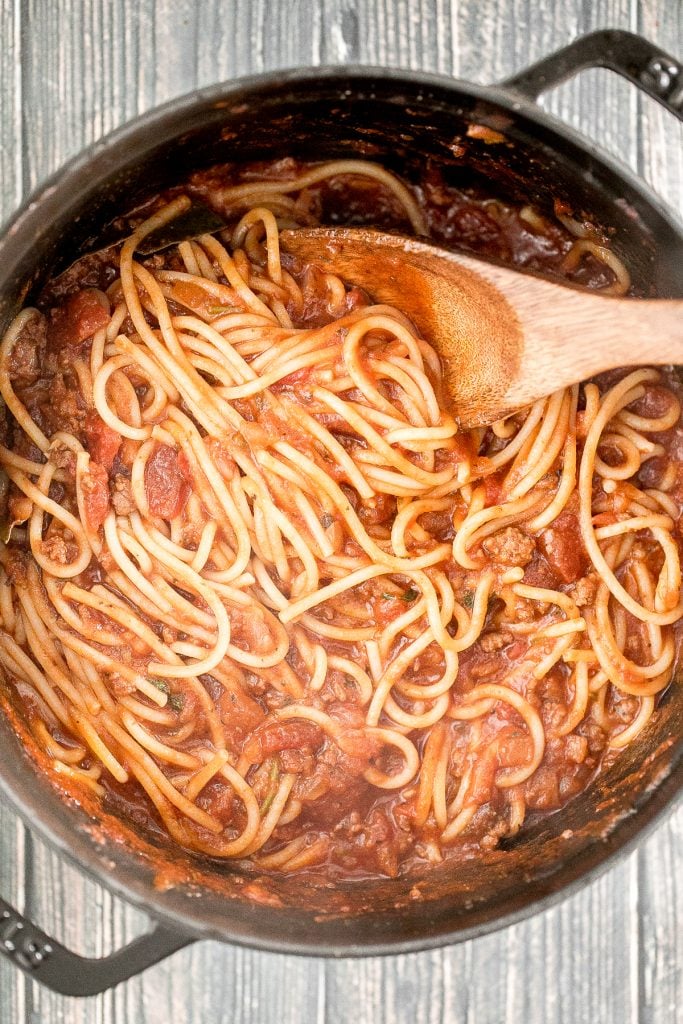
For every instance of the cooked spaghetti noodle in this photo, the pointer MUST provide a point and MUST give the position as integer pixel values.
(255, 573)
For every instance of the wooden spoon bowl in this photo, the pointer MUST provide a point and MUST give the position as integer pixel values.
(505, 338)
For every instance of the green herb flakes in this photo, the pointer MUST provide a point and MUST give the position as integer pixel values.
(176, 701)
(273, 776)
(409, 595)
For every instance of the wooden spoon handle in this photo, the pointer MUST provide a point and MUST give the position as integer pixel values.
(571, 335)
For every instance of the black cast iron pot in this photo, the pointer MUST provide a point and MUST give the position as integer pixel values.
(400, 119)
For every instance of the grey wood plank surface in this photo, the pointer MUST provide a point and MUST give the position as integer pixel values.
(75, 69)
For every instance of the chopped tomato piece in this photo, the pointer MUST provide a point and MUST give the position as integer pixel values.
(492, 487)
(165, 485)
(95, 488)
(276, 736)
(77, 319)
(102, 442)
(562, 546)
(240, 714)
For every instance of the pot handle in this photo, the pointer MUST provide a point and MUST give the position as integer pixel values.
(63, 971)
(640, 61)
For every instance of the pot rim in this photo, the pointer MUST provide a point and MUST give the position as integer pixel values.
(29, 214)
(65, 187)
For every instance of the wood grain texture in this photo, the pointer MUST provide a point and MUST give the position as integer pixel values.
(74, 70)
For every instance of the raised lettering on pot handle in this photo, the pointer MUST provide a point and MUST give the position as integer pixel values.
(640, 61)
(57, 967)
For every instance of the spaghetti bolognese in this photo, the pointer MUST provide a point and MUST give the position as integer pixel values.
(254, 580)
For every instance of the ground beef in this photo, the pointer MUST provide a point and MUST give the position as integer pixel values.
(510, 547)
(576, 748)
(95, 270)
(62, 409)
(56, 547)
(584, 590)
(122, 495)
(26, 361)
(495, 641)
(19, 507)
(541, 791)
(297, 762)
(62, 456)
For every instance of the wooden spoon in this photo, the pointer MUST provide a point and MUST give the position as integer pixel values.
(505, 338)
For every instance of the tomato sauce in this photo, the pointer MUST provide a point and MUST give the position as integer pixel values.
(370, 832)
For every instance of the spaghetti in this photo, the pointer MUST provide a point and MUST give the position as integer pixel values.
(254, 572)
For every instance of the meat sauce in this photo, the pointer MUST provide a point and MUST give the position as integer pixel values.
(371, 832)
(459, 219)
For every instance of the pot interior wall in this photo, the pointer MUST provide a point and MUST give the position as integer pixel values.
(402, 125)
